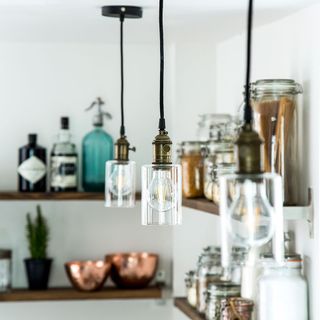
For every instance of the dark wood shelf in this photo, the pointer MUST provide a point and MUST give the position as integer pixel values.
(183, 305)
(201, 204)
(56, 196)
(56, 294)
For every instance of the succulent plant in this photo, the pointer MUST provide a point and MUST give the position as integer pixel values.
(37, 232)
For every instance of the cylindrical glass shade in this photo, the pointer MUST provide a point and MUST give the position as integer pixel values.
(161, 194)
(120, 184)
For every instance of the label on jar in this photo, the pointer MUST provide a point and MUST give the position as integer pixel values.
(32, 169)
(64, 171)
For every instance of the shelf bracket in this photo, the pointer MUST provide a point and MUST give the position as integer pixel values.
(306, 213)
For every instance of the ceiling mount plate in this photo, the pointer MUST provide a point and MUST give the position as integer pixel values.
(131, 12)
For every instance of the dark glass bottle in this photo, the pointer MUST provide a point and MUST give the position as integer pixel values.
(64, 161)
(32, 167)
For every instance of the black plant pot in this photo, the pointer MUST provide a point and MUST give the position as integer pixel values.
(38, 271)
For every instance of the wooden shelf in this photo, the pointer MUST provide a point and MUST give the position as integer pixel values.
(60, 196)
(201, 204)
(71, 294)
(183, 305)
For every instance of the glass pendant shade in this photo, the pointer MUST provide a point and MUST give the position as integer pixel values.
(120, 184)
(161, 194)
(248, 207)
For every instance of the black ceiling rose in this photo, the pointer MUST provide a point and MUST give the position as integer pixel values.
(131, 12)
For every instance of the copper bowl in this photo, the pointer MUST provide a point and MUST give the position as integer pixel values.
(88, 275)
(133, 270)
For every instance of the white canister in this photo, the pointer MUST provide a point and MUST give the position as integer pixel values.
(283, 293)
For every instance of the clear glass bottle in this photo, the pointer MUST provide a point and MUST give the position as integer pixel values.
(97, 149)
(209, 270)
(5, 269)
(216, 293)
(275, 107)
(280, 287)
(64, 161)
(120, 184)
(207, 121)
(191, 287)
(161, 194)
(191, 159)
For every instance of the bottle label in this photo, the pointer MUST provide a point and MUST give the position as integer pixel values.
(64, 171)
(33, 169)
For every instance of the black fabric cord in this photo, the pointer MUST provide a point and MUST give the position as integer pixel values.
(122, 128)
(162, 122)
(248, 110)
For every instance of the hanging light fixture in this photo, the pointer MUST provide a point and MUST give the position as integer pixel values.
(249, 212)
(121, 172)
(161, 181)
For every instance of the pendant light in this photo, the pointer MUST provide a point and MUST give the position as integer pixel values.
(161, 181)
(121, 172)
(249, 214)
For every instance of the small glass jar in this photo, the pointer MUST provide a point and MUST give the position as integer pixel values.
(217, 292)
(5, 270)
(239, 256)
(191, 158)
(236, 308)
(191, 287)
(220, 170)
(207, 121)
(209, 270)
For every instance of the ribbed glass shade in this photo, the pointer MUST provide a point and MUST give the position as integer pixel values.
(161, 194)
(120, 189)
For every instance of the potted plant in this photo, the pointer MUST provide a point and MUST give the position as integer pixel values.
(38, 265)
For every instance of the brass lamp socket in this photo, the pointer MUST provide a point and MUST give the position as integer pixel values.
(121, 149)
(162, 146)
(249, 149)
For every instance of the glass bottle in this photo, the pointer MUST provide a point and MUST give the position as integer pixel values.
(32, 167)
(97, 149)
(64, 161)
(5, 269)
(191, 159)
(191, 287)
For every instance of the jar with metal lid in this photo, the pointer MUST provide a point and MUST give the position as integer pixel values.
(217, 292)
(220, 170)
(191, 287)
(5, 269)
(275, 110)
(191, 158)
(236, 309)
(207, 121)
(209, 270)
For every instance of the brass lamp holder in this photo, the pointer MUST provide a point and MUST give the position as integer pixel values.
(122, 148)
(162, 146)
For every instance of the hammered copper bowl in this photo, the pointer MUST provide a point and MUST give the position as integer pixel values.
(134, 270)
(88, 275)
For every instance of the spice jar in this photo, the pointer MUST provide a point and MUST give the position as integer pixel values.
(191, 158)
(209, 270)
(236, 309)
(217, 292)
(191, 287)
(5, 269)
(220, 170)
(275, 109)
(238, 258)
(207, 121)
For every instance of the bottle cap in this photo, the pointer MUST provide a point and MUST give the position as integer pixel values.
(65, 123)
(32, 138)
(98, 117)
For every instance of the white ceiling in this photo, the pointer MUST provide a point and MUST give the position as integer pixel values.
(81, 21)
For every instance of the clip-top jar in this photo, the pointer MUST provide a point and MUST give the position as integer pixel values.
(191, 158)
(236, 308)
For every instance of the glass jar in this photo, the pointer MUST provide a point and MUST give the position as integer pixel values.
(238, 258)
(191, 287)
(5, 270)
(275, 109)
(207, 121)
(236, 308)
(220, 170)
(209, 270)
(191, 158)
(217, 292)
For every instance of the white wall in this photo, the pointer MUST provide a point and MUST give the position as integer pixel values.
(285, 49)
(41, 82)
